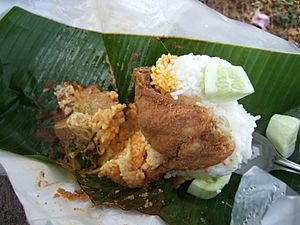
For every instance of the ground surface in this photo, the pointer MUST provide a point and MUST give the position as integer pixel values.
(11, 210)
(285, 22)
(284, 14)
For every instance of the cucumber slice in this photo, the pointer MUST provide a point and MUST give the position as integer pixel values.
(226, 83)
(209, 187)
(282, 132)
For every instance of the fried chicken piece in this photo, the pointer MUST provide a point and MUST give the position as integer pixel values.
(186, 134)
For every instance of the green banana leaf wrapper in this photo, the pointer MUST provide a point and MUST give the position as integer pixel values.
(37, 53)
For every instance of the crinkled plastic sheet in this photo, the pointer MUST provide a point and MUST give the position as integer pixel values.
(36, 183)
(184, 18)
(283, 211)
(253, 202)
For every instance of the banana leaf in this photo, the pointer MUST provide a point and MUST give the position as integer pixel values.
(36, 53)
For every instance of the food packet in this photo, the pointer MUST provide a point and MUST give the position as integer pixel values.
(183, 18)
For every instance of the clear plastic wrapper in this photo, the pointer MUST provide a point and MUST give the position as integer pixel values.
(283, 211)
(257, 191)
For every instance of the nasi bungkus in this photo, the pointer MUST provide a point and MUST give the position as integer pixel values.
(185, 122)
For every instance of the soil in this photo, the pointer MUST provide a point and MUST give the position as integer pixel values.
(11, 210)
(284, 14)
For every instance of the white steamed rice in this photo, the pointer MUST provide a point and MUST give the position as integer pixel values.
(189, 71)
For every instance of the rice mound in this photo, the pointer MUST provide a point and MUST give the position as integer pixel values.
(188, 70)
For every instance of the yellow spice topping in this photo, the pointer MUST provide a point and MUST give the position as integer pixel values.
(161, 74)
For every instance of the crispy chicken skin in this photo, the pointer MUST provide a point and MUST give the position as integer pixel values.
(186, 134)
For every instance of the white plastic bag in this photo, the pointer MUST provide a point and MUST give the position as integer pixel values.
(183, 18)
